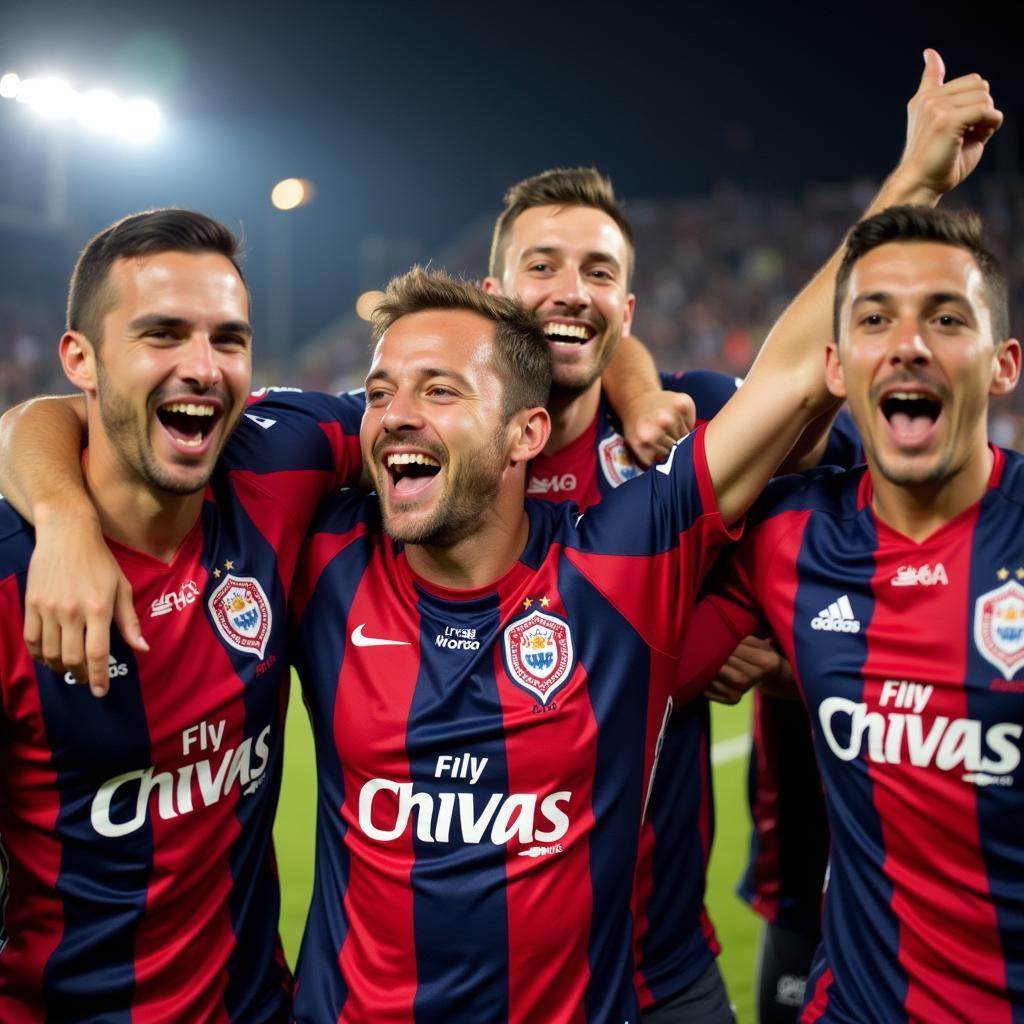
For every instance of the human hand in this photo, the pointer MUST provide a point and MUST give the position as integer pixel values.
(73, 592)
(948, 125)
(653, 422)
(754, 662)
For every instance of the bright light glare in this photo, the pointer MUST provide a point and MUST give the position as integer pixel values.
(99, 110)
(367, 303)
(291, 192)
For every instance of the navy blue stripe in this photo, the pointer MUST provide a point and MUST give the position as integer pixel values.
(675, 951)
(318, 655)
(618, 666)
(832, 663)
(460, 910)
(91, 973)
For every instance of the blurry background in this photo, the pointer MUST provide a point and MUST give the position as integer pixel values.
(744, 137)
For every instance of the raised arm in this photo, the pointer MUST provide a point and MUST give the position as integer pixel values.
(948, 126)
(74, 589)
(652, 419)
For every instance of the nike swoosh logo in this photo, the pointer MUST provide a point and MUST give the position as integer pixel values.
(360, 640)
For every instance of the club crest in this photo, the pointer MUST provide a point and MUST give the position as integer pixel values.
(241, 614)
(616, 462)
(999, 627)
(538, 653)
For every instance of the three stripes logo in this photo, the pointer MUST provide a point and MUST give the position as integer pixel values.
(838, 617)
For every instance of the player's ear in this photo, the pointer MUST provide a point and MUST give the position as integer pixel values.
(1006, 372)
(627, 314)
(834, 380)
(529, 430)
(78, 360)
(492, 286)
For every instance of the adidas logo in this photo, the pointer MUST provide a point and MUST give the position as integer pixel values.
(838, 617)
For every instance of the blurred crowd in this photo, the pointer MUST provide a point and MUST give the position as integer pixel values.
(712, 276)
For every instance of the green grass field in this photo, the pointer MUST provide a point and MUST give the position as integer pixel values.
(737, 926)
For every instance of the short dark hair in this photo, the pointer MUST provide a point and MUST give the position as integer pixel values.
(521, 355)
(140, 234)
(959, 228)
(576, 186)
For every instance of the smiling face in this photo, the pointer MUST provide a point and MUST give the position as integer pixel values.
(916, 360)
(434, 435)
(569, 264)
(173, 371)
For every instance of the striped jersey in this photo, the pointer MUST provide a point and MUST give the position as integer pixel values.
(484, 757)
(138, 882)
(910, 659)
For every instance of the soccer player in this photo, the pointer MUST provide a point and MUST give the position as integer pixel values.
(488, 681)
(137, 879)
(896, 593)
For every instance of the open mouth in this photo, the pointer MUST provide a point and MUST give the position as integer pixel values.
(569, 334)
(911, 415)
(411, 472)
(188, 423)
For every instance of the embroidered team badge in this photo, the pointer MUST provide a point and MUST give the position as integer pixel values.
(538, 653)
(999, 627)
(241, 614)
(616, 462)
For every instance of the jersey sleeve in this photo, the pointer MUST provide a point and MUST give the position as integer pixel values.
(287, 430)
(649, 544)
(844, 447)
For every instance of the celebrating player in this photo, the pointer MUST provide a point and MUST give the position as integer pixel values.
(896, 594)
(137, 875)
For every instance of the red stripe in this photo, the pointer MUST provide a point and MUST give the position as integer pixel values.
(949, 939)
(186, 937)
(766, 815)
(29, 806)
(815, 1008)
(375, 693)
(549, 897)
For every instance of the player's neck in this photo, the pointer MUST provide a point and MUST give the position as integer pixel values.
(918, 510)
(155, 523)
(571, 414)
(477, 560)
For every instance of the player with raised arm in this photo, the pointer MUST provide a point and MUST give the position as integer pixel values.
(895, 591)
(137, 875)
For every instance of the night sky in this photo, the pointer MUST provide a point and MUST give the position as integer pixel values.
(412, 119)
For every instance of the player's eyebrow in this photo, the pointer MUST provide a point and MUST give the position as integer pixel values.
(151, 321)
(550, 250)
(424, 373)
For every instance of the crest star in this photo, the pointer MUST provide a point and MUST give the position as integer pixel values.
(216, 573)
(228, 564)
(1003, 573)
(1020, 574)
(545, 602)
(527, 603)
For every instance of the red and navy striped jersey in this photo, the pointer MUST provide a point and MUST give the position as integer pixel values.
(675, 940)
(910, 658)
(484, 757)
(138, 880)
(785, 871)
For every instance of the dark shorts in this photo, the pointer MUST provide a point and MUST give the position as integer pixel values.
(784, 959)
(704, 1002)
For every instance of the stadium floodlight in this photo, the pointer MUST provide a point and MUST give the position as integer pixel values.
(99, 110)
(291, 192)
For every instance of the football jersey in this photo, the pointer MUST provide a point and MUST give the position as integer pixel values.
(910, 659)
(785, 871)
(675, 939)
(484, 757)
(138, 880)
